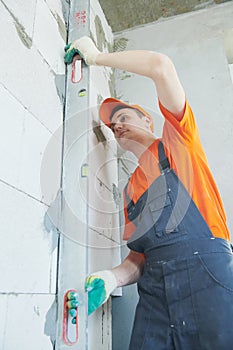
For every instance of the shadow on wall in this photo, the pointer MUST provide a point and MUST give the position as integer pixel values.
(50, 323)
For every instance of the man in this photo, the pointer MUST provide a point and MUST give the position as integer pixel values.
(175, 224)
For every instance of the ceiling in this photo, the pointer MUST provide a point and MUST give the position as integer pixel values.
(123, 14)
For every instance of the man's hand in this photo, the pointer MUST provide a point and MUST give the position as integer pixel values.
(99, 286)
(70, 52)
(85, 48)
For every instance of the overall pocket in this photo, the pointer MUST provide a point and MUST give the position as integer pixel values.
(219, 267)
(163, 216)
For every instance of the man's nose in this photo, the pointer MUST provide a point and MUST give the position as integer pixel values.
(118, 126)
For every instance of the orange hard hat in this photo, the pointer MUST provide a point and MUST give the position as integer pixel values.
(108, 105)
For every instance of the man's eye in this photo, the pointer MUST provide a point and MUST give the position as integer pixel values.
(122, 119)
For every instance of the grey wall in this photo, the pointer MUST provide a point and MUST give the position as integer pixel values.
(33, 35)
(197, 43)
(131, 13)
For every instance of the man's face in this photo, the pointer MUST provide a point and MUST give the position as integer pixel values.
(128, 127)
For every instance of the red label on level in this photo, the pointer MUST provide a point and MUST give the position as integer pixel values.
(77, 72)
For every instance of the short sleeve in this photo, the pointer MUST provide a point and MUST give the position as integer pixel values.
(186, 127)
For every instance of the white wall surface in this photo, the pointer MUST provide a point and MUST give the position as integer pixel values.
(32, 41)
(200, 44)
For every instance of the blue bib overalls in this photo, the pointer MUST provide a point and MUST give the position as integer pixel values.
(186, 289)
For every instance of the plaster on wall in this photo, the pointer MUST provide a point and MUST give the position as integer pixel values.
(228, 44)
(24, 37)
(61, 26)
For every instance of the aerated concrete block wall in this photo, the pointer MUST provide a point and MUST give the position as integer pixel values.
(32, 95)
(33, 36)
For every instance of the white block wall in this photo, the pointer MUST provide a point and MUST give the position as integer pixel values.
(32, 41)
(31, 86)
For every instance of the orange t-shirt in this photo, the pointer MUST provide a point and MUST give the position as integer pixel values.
(186, 156)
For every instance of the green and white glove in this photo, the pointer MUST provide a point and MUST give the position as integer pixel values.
(84, 47)
(99, 286)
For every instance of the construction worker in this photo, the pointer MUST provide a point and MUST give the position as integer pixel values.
(175, 224)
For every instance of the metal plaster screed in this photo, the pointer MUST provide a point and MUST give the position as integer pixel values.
(75, 302)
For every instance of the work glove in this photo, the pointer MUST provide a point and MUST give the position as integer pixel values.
(99, 286)
(85, 48)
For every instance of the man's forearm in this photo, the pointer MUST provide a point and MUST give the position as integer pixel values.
(130, 270)
(155, 66)
(141, 62)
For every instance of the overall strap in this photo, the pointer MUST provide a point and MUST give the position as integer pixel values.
(164, 164)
